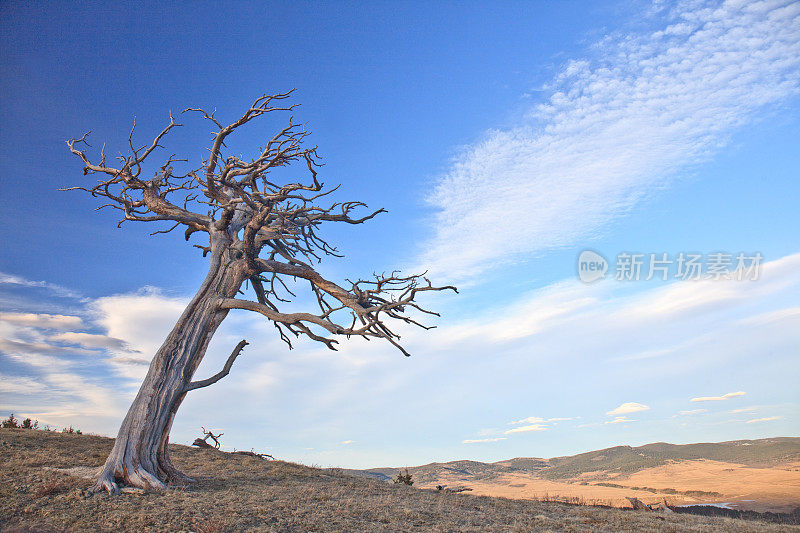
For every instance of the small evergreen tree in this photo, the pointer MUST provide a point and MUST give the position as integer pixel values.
(10, 422)
(405, 479)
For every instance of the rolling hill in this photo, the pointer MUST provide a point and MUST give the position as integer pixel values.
(759, 474)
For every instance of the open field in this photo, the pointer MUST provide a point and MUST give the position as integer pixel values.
(775, 489)
(240, 493)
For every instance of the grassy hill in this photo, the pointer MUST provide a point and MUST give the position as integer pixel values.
(762, 452)
(623, 459)
(241, 493)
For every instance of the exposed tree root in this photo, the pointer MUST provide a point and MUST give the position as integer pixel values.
(133, 475)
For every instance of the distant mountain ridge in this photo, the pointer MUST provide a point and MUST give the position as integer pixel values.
(617, 459)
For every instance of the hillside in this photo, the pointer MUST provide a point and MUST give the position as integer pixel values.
(763, 452)
(761, 475)
(241, 493)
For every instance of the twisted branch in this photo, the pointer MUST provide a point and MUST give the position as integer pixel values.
(272, 229)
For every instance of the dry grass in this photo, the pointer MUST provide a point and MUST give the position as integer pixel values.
(241, 493)
(775, 488)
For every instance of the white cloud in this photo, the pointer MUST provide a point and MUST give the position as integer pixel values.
(367, 385)
(613, 131)
(627, 408)
(744, 410)
(42, 320)
(89, 340)
(60, 397)
(11, 279)
(140, 321)
(526, 429)
(529, 420)
(765, 419)
(475, 441)
(532, 423)
(722, 398)
(345, 442)
(693, 412)
(20, 385)
(58, 290)
(16, 348)
(792, 313)
(690, 298)
(620, 420)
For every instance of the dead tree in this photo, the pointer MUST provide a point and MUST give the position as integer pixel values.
(251, 453)
(201, 443)
(637, 504)
(259, 236)
(209, 435)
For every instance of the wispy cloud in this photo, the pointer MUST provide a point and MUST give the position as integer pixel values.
(722, 398)
(611, 324)
(346, 442)
(90, 340)
(20, 385)
(11, 279)
(620, 420)
(614, 129)
(58, 290)
(526, 429)
(529, 420)
(627, 408)
(693, 412)
(765, 419)
(41, 320)
(476, 441)
(21, 348)
(534, 423)
(744, 410)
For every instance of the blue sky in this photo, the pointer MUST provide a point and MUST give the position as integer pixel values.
(503, 139)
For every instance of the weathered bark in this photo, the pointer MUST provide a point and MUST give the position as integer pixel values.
(140, 457)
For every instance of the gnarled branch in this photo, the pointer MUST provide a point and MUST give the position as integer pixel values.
(222, 373)
(272, 228)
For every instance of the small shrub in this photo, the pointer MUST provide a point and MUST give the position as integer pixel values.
(614, 486)
(702, 493)
(10, 422)
(28, 424)
(405, 479)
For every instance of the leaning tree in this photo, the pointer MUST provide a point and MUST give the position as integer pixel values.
(263, 238)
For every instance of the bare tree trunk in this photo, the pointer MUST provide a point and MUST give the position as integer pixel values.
(140, 457)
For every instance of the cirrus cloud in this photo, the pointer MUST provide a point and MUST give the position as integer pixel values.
(614, 130)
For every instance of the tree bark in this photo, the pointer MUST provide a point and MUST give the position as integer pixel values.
(140, 457)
